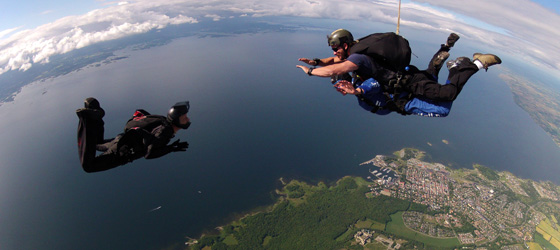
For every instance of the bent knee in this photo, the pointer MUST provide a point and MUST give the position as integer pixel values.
(448, 93)
(89, 168)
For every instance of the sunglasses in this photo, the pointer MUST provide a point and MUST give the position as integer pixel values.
(335, 49)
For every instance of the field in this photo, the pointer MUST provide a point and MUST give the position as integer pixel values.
(534, 246)
(397, 227)
(549, 234)
(543, 244)
(375, 246)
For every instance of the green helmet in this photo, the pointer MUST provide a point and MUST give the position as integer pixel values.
(340, 36)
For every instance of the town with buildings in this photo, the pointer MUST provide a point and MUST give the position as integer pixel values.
(477, 206)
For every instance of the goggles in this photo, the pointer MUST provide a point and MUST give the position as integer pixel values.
(182, 106)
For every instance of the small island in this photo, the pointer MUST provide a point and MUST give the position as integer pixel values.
(402, 202)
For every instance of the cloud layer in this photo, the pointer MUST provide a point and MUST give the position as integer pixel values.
(532, 30)
(27, 47)
(519, 27)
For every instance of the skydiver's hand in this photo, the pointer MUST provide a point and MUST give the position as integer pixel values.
(342, 86)
(346, 87)
(339, 89)
(305, 69)
(308, 61)
(179, 146)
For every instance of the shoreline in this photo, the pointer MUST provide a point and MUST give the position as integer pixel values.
(483, 176)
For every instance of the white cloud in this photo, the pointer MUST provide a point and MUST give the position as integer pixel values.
(8, 31)
(47, 12)
(524, 28)
(214, 17)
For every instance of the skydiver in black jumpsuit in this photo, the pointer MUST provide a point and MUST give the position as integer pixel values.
(145, 135)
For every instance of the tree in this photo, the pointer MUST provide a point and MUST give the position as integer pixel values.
(220, 246)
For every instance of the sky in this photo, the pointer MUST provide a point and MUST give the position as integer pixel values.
(33, 31)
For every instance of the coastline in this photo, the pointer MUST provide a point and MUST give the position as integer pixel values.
(540, 102)
(484, 179)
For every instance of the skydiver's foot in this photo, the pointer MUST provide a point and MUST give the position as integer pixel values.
(454, 63)
(91, 103)
(91, 110)
(452, 39)
(451, 64)
(440, 58)
(486, 60)
(92, 114)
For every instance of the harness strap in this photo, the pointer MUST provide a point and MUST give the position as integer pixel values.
(370, 103)
(392, 90)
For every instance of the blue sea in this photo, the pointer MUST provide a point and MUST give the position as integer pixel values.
(255, 118)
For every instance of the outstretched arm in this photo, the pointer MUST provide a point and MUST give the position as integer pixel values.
(330, 70)
(158, 147)
(320, 62)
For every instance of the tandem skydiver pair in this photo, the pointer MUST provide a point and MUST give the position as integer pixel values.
(383, 79)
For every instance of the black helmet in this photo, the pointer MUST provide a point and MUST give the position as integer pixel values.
(91, 103)
(177, 111)
(340, 36)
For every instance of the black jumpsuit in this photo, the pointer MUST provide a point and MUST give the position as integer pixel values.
(145, 136)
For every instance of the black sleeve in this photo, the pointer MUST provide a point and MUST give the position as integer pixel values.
(158, 146)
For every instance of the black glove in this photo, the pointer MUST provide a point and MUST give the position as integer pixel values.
(179, 146)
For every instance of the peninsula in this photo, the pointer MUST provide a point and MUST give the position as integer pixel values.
(540, 101)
